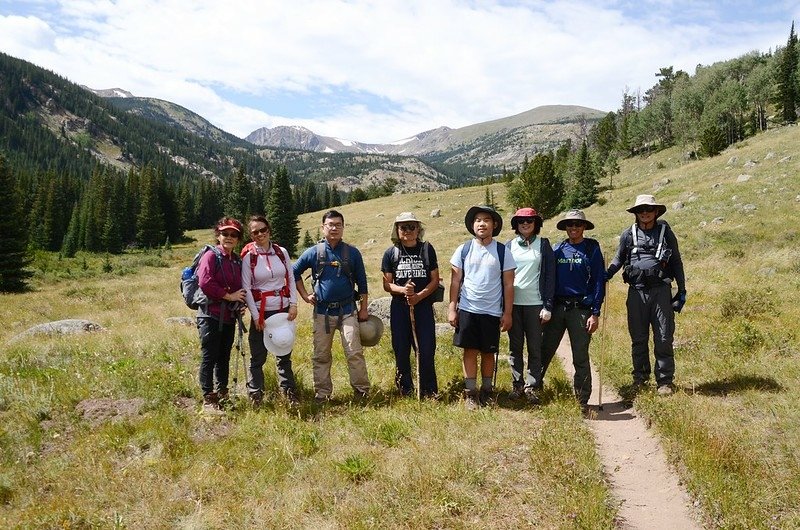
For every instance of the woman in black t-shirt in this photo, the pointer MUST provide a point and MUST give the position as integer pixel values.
(411, 275)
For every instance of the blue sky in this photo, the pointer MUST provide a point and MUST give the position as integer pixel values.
(382, 70)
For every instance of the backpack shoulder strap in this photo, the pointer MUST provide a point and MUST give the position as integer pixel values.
(501, 255)
(464, 251)
(315, 272)
(395, 255)
(426, 259)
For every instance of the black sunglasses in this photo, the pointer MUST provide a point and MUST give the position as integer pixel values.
(407, 228)
(259, 231)
(525, 220)
(645, 209)
(570, 224)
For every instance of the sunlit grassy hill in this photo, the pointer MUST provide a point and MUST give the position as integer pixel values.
(102, 430)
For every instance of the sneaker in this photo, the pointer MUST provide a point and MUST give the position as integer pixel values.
(486, 396)
(532, 396)
(517, 393)
(665, 390)
(471, 401)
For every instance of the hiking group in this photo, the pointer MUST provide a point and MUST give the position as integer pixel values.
(531, 289)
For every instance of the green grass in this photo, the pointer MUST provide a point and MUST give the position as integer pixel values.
(732, 429)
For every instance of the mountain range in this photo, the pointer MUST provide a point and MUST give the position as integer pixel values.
(49, 123)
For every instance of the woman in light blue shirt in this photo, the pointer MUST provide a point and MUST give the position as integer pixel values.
(534, 286)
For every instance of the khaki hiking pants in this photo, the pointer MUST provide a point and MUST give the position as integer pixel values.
(353, 351)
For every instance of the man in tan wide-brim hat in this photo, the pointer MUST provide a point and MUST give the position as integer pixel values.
(650, 260)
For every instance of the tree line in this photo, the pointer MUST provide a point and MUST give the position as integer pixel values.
(704, 113)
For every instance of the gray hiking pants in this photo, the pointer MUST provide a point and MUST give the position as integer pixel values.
(651, 307)
(525, 330)
(573, 320)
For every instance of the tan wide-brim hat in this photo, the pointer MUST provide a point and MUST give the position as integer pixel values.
(648, 200)
(406, 217)
(279, 334)
(370, 331)
(575, 215)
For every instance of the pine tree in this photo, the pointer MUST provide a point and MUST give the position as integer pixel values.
(336, 198)
(307, 241)
(150, 231)
(14, 258)
(585, 181)
(237, 201)
(538, 186)
(70, 245)
(787, 79)
(280, 209)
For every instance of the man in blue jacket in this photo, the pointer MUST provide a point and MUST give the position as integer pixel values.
(336, 269)
(580, 289)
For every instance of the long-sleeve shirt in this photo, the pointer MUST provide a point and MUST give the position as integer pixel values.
(216, 282)
(333, 284)
(580, 273)
(269, 275)
(648, 242)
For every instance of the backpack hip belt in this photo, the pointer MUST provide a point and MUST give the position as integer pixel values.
(262, 297)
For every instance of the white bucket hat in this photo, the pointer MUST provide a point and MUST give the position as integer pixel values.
(370, 331)
(279, 334)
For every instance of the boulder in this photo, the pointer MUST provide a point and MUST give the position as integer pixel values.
(380, 307)
(436, 212)
(62, 327)
(743, 178)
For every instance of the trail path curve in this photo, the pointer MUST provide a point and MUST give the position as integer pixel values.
(648, 489)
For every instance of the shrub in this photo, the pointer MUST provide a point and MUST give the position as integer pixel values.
(746, 303)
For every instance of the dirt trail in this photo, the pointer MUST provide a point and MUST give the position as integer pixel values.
(648, 489)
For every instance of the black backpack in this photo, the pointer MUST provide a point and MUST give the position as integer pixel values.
(438, 294)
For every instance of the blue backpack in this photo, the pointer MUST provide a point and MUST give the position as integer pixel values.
(193, 296)
(501, 256)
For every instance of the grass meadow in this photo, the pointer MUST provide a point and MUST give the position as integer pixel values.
(103, 430)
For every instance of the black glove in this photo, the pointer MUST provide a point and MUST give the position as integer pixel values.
(678, 301)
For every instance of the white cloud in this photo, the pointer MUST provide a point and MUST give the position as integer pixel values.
(427, 63)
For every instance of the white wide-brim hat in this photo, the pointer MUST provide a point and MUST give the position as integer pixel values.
(279, 334)
(370, 331)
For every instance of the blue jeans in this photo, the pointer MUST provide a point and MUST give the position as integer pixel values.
(258, 356)
(215, 353)
(400, 322)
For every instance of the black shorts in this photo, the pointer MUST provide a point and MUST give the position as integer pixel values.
(477, 332)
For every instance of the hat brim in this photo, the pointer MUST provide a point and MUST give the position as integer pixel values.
(371, 339)
(660, 209)
(562, 224)
(272, 323)
(469, 219)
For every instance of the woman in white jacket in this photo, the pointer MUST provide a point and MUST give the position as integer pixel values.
(270, 287)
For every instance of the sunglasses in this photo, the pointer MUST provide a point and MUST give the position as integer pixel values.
(645, 209)
(407, 228)
(259, 231)
(229, 233)
(572, 224)
(524, 220)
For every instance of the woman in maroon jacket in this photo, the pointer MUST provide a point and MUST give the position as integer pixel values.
(219, 275)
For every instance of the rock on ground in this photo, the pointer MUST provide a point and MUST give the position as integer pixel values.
(62, 327)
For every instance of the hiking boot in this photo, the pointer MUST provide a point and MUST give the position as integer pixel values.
(586, 411)
(211, 404)
(532, 395)
(256, 398)
(486, 397)
(291, 396)
(321, 400)
(665, 390)
(224, 398)
(517, 393)
(360, 395)
(471, 400)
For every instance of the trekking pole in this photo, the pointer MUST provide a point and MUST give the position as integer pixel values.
(415, 345)
(603, 347)
(240, 328)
